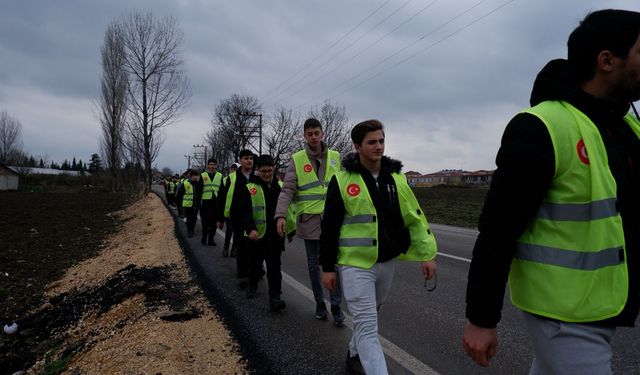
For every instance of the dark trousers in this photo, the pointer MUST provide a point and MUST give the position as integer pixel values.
(228, 233)
(207, 217)
(171, 199)
(261, 251)
(192, 216)
(242, 259)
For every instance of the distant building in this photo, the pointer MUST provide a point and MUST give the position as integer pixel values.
(29, 170)
(9, 178)
(452, 177)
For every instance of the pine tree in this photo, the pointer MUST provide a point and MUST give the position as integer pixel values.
(41, 164)
(74, 166)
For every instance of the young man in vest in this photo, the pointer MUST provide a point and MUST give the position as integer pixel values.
(190, 196)
(229, 206)
(171, 191)
(262, 242)
(305, 183)
(211, 181)
(228, 227)
(371, 218)
(561, 218)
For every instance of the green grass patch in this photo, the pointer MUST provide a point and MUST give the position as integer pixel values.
(456, 206)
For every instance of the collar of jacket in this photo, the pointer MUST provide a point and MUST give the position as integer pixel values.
(351, 162)
(317, 155)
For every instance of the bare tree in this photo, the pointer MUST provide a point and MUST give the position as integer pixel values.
(10, 138)
(233, 125)
(283, 135)
(220, 149)
(334, 120)
(112, 103)
(158, 89)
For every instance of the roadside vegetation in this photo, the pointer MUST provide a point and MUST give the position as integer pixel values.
(457, 206)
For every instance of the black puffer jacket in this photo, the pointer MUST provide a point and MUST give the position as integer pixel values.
(525, 171)
(393, 238)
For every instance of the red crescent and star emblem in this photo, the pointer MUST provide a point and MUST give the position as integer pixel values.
(308, 168)
(582, 152)
(353, 189)
(253, 191)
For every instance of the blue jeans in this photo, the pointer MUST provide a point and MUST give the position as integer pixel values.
(313, 249)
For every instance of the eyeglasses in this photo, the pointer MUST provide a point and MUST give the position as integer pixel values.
(435, 283)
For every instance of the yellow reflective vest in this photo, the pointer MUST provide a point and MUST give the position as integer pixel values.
(310, 192)
(210, 187)
(570, 263)
(187, 198)
(358, 243)
(259, 206)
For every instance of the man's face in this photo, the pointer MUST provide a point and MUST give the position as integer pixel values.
(372, 147)
(313, 136)
(195, 177)
(627, 81)
(211, 166)
(246, 162)
(266, 173)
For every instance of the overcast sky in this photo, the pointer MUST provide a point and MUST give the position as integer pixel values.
(443, 76)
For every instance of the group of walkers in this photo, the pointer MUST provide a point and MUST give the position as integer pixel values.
(560, 221)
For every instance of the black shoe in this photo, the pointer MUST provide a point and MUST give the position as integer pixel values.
(190, 234)
(233, 252)
(203, 240)
(243, 284)
(353, 365)
(276, 304)
(211, 243)
(225, 252)
(251, 292)
(321, 311)
(338, 316)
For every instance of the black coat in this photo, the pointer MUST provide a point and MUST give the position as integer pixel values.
(241, 182)
(271, 192)
(393, 238)
(526, 165)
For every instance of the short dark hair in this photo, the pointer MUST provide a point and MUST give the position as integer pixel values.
(212, 160)
(609, 29)
(361, 129)
(244, 153)
(265, 161)
(311, 123)
(193, 172)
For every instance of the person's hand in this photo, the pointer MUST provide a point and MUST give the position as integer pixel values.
(428, 269)
(253, 235)
(329, 281)
(479, 343)
(280, 222)
(220, 224)
(290, 236)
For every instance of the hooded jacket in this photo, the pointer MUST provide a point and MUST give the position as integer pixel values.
(393, 237)
(526, 167)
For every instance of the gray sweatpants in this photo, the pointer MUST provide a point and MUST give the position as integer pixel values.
(563, 348)
(364, 290)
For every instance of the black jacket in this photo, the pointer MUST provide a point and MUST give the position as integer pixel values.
(197, 193)
(393, 238)
(271, 193)
(525, 171)
(234, 211)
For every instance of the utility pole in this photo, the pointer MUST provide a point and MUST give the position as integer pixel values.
(252, 130)
(188, 161)
(200, 157)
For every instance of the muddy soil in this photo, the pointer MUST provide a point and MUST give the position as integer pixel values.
(128, 305)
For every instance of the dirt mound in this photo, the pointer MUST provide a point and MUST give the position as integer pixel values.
(132, 309)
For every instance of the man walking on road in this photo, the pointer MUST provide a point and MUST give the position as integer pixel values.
(228, 228)
(561, 218)
(371, 217)
(305, 183)
(229, 205)
(211, 181)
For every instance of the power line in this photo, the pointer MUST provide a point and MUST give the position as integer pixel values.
(345, 48)
(427, 47)
(326, 50)
(363, 50)
(412, 55)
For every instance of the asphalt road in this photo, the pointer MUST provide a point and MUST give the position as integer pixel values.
(420, 330)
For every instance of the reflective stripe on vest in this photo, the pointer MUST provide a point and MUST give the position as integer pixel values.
(358, 243)
(187, 198)
(232, 187)
(258, 207)
(172, 187)
(310, 192)
(570, 262)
